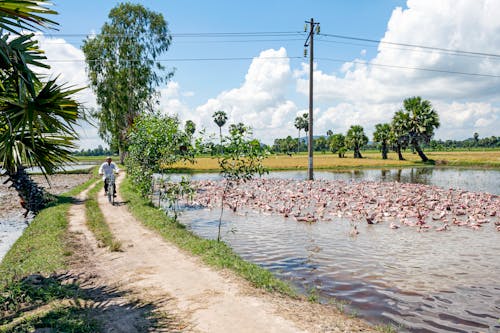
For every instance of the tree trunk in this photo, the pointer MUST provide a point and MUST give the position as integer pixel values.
(357, 153)
(384, 151)
(121, 153)
(32, 197)
(400, 155)
(420, 153)
(220, 136)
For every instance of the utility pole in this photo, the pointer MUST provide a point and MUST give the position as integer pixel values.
(310, 42)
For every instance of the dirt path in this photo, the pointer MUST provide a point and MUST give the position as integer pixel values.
(206, 299)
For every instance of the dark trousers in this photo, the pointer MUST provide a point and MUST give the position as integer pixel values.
(106, 186)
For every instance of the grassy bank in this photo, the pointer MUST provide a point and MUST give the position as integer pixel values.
(214, 253)
(371, 159)
(42, 248)
(96, 223)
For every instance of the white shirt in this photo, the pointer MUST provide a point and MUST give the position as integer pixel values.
(106, 169)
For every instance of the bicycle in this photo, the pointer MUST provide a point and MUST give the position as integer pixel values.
(110, 190)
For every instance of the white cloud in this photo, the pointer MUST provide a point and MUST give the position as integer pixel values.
(261, 101)
(67, 63)
(366, 94)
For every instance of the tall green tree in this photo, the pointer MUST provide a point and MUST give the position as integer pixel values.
(337, 144)
(37, 118)
(156, 142)
(382, 135)
(220, 118)
(422, 121)
(124, 71)
(399, 132)
(301, 123)
(356, 139)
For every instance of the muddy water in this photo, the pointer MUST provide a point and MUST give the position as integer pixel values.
(419, 282)
(424, 282)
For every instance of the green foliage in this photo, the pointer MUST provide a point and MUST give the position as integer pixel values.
(156, 142)
(36, 119)
(356, 139)
(337, 144)
(240, 160)
(172, 192)
(301, 123)
(422, 120)
(383, 136)
(123, 67)
(242, 156)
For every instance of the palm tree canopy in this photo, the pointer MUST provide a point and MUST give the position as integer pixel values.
(422, 118)
(220, 118)
(382, 133)
(356, 136)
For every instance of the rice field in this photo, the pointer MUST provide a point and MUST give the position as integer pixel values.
(372, 159)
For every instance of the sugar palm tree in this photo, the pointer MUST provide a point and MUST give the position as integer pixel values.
(36, 119)
(301, 123)
(355, 139)
(382, 135)
(220, 118)
(399, 132)
(422, 120)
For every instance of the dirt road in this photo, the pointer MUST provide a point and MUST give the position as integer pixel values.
(204, 299)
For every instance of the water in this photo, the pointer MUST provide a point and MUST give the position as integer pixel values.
(466, 179)
(420, 282)
(10, 231)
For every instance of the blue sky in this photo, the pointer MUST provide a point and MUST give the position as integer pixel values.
(268, 90)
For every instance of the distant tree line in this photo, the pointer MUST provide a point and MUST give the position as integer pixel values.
(411, 127)
(99, 151)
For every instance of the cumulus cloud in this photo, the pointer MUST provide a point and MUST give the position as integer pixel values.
(366, 91)
(67, 63)
(261, 101)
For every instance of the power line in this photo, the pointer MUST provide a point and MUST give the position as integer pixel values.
(403, 49)
(412, 68)
(414, 45)
(183, 59)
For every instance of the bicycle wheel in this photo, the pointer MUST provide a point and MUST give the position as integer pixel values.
(112, 194)
(110, 191)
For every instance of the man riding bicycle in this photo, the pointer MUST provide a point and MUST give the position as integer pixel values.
(107, 170)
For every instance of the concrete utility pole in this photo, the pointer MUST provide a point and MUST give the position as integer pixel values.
(310, 143)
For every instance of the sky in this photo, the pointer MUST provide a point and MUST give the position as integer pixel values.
(263, 80)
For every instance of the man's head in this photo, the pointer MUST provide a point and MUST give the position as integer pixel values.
(108, 159)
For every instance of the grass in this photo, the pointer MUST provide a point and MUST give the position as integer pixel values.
(371, 159)
(96, 222)
(42, 247)
(213, 253)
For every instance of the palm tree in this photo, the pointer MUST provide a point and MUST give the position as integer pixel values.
(382, 135)
(329, 133)
(220, 118)
(301, 123)
(355, 139)
(423, 119)
(36, 119)
(399, 129)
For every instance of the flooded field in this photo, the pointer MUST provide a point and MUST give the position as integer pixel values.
(417, 280)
